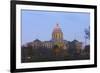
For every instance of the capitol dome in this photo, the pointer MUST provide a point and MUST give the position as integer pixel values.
(57, 34)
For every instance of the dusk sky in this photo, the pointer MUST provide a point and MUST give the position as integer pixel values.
(40, 24)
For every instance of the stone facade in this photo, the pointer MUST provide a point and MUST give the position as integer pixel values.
(57, 39)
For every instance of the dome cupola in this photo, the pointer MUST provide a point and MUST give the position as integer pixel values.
(57, 35)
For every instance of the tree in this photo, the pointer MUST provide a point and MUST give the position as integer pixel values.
(87, 33)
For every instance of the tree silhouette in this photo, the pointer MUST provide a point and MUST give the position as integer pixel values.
(87, 33)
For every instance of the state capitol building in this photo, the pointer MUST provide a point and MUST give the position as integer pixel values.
(57, 39)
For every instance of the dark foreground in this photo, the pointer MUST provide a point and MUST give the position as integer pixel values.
(29, 54)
